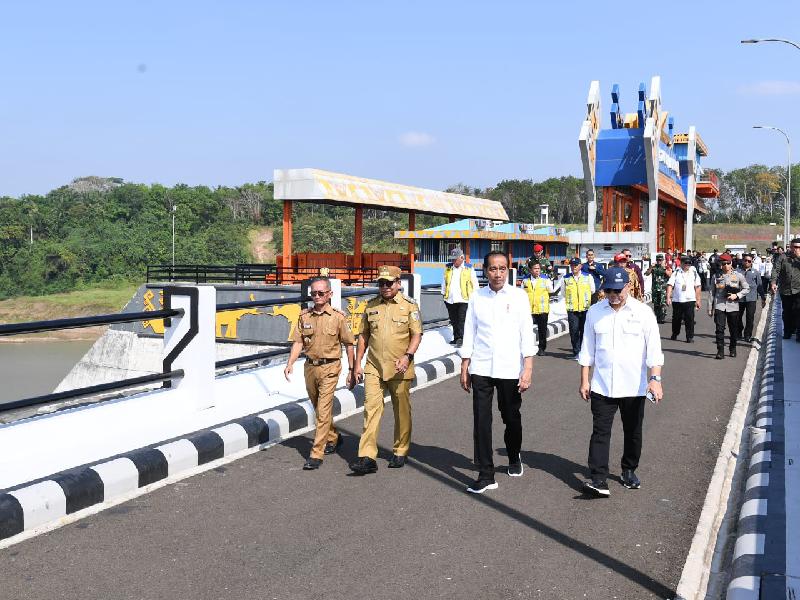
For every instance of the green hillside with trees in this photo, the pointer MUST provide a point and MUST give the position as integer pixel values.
(104, 229)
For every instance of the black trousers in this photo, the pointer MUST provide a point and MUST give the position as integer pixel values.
(747, 314)
(631, 409)
(791, 314)
(683, 312)
(576, 320)
(509, 401)
(703, 280)
(457, 313)
(540, 321)
(721, 318)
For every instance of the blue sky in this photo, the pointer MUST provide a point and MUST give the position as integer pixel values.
(421, 93)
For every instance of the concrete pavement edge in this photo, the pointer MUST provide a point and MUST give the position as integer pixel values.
(701, 576)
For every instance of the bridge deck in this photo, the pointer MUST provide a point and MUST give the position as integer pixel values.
(261, 527)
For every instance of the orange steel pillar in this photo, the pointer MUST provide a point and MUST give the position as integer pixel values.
(412, 225)
(466, 250)
(357, 238)
(287, 235)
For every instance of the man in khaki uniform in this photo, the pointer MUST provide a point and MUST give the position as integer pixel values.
(320, 333)
(392, 329)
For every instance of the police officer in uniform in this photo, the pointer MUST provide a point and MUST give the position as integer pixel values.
(538, 288)
(392, 330)
(320, 333)
(578, 290)
(729, 287)
(660, 275)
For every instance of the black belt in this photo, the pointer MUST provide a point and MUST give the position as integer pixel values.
(318, 362)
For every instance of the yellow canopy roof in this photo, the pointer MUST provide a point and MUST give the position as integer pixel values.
(315, 185)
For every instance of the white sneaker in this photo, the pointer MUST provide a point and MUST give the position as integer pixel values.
(481, 485)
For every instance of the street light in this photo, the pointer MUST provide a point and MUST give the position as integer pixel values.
(173, 207)
(754, 41)
(788, 204)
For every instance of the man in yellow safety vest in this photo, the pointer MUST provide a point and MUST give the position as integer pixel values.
(459, 284)
(578, 290)
(539, 287)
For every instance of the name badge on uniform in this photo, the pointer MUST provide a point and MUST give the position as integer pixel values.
(683, 287)
(307, 326)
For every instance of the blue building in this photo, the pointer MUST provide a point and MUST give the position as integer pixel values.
(476, 237)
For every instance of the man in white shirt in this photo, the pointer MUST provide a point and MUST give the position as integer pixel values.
(459, 282)
(683, 293)
(622, 343)
(497, 354)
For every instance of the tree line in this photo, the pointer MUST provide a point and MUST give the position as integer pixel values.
(101, 228)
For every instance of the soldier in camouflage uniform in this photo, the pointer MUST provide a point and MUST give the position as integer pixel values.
(660, 275)
(525, 269)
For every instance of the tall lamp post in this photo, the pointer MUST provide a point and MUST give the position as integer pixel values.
(787, 220)
(173, 207)
(787, 217)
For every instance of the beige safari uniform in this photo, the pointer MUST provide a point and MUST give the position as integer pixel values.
(322, 335)
(389, 326)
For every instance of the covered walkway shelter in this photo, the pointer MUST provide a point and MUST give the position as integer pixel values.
(325, 187)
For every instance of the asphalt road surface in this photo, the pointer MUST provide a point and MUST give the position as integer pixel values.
(260, 527)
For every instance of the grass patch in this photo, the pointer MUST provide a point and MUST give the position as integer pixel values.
(101, 299)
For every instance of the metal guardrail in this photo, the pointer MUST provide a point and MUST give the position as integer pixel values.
(96, 320)
(92, 390)
(93, 321)
(242, 273)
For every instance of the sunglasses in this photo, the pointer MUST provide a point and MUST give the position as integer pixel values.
(384, 283)
(725, 262)
(315, 294)
(746, 260)
(613, 291)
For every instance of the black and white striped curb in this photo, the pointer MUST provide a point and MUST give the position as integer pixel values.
(52, 499)
(761, 530)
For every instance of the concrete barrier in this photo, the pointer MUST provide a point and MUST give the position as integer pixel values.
(82, 459)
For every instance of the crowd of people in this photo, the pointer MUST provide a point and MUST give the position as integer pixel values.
(614, 337)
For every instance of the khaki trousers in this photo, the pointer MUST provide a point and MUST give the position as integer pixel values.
(400, 392)
(321, 384)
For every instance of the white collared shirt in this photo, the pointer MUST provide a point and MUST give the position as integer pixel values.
(498, 332)
(620, 345)
(681, 279)
(455, 295)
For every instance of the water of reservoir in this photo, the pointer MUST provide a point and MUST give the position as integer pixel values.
(34, 368)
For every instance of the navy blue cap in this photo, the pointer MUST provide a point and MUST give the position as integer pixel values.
(615, 278)
(575, 261)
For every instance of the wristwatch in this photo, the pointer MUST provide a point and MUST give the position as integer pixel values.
(410, 356)
(655, 378)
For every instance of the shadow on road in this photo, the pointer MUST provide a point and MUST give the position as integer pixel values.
(444, 466)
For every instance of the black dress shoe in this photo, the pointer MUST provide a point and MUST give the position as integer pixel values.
(733, 352)
(720, 355)
(458, 343)
(364, 465)
(630, 480)
(312, 464)
(332, 447)
(674, 336)
(397, 462)
(690, 340)
(540, 353)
